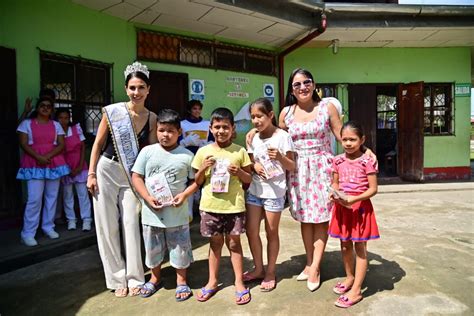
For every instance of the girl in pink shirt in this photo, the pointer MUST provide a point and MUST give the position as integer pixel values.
(353, 219)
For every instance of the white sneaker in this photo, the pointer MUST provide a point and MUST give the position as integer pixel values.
(71, 225)
(52, 234)
(86, 225)
(29, 241)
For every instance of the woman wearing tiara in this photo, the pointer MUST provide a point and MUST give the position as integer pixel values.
(125, 128)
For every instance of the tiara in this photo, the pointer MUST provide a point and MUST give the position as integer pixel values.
(136, 67)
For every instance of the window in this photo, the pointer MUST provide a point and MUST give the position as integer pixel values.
(326, 90)
(182, 50)
(386, 107)
(81, 85)
(438, 108)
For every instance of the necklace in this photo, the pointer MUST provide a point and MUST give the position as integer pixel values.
(135, 113)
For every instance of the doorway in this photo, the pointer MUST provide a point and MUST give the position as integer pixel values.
(392, 117)
(386, 133)
(10, 188)
(375, 107)
(168, 90)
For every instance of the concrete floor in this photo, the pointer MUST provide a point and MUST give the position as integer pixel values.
(422, 265)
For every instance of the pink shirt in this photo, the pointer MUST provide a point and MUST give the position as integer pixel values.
(353, 173)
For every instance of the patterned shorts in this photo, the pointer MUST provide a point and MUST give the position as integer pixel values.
(213, 224)
(177, 240)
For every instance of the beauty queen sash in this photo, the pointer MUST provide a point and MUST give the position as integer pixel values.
(124, 136)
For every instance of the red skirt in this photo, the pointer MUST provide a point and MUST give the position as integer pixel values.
(356, 223)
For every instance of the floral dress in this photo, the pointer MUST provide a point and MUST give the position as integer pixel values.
(309, 183)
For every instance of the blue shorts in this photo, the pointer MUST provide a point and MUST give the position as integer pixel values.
(269, 205)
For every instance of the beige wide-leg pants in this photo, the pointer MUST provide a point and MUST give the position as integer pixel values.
(116, 204)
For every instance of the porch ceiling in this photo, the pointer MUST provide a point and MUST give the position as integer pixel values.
(264, 22)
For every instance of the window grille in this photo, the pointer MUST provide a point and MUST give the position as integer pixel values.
(326, 90)
(81, 85)
(175, 49)
(230, 59)
(258, 63)
(195, 53)
(438, 102)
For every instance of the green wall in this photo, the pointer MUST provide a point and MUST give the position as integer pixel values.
(399, 65)
(61, 26)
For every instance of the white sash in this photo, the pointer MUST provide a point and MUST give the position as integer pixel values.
(124, 136)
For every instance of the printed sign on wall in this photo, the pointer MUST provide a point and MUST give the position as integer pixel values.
(197, 89)
(269, 91)
(236, 87)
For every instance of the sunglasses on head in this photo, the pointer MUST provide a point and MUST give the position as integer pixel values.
(297, 85)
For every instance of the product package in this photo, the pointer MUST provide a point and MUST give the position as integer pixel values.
(220, 176)
(159, 188)
(338, 194)
(272, 168)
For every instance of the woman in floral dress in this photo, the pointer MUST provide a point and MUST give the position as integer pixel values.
(310, 122)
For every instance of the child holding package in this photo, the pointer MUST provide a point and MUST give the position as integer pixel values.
(353, 219)
(160, 176)
(272, 152)
(223, 167)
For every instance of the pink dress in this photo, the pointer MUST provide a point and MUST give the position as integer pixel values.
(44, 137)
(356, 223)
(72, 154)
(309, 183)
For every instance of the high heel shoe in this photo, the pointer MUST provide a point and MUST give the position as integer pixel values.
(313, 286)
(302, 277)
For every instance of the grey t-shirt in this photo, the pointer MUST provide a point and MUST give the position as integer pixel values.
(176, 166)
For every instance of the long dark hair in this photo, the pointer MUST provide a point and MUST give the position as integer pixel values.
(265, 106)
(34, 114)
(290, 98)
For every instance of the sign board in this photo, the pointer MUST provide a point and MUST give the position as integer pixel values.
(197, 89)
(462, 90)
(269, 91)
(238, 94)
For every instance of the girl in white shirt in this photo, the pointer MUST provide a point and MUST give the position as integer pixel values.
(272, 154)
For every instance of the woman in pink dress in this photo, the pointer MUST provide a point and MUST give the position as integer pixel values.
(74, 153)
(310, 122)
(42, 166)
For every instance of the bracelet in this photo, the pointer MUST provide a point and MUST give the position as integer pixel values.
(91, 174)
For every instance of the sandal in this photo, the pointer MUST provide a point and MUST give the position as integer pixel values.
(206, 294)
(239, 300)
(268, 286)
(340, 288)
(344, 302)
(134, 291)
(183, 289)
(247, 277)
(149, 288)
(121, 292)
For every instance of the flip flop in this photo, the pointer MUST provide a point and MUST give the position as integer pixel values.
(209, 292)
(268, 286)
(184, 288)
(340, 288)
(150, 288)
(239, 297)
(247, 277)
(344, 302)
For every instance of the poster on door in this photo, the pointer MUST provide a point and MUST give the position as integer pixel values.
(197, 89)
